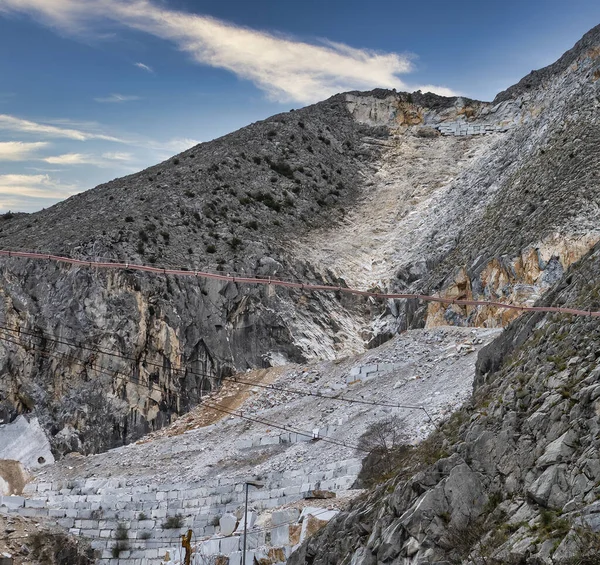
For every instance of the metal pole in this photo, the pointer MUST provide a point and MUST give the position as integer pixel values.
(245, 525)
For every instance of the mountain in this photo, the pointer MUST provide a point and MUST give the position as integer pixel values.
(378, 190)
(512, 477)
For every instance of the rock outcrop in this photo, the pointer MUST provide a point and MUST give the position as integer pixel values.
(513, 476)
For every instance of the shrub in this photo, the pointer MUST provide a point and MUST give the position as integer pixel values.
(210, 248)
(189, 193)
(282, 168)
(51, 547)
(129, 219)
(385, 444)
(257, 160)
(142, 516)
(235, 242)
(175, 161)
(121, 531)
(173, 522)
(122, 543)
(145, 535)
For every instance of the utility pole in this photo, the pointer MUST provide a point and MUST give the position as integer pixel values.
(248, 484)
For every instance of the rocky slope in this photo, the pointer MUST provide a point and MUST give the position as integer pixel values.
(380, 190)
(192, 472)
(514, 476)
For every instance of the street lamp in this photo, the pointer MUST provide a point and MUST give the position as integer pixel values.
(255, 484)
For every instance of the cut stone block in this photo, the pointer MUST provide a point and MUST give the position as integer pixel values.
(285, 516)
(211, 547)
(280, 536)
(251, 521)
(228, 523)
(12, 502)
(230, 544)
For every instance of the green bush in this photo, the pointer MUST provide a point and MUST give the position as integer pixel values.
(282, 168)
(173, 522)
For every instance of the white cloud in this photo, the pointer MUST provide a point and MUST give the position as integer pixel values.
(107, 160)
(441, 90)
(14, 124)
(177, 144)
(35, 186)
(286, 69)
(70, 159)
(146, 68)
(117, 98)
(19, 150)
(117, 156)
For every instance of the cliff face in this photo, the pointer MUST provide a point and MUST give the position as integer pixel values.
(381, 190)
(222, 206)
(514, 476)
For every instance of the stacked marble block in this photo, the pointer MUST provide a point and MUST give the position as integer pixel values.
(94, 508)
(284, 437)
(368, 372)
(464, 128)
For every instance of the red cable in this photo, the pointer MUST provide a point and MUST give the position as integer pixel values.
(289, 284)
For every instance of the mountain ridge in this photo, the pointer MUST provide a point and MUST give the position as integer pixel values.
(379, 190)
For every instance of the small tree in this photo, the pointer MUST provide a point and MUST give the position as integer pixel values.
(385, 444)
(122, 543)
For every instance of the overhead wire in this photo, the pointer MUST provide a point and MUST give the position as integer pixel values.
(213, 406)
(289, 284)
(238, 380)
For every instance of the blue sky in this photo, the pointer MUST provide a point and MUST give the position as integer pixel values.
(91, 90)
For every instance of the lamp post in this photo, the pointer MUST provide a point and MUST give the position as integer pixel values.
(248, 484)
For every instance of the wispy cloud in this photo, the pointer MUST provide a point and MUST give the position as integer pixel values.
(117, 156)
(105, 160)
(35, 186)
(19, 125)
(146, 68)
(19, 150)
(177, 144)
(70, 159)
(117, 98)
(285, 68)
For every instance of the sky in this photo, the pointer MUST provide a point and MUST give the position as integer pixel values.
(91, 90)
